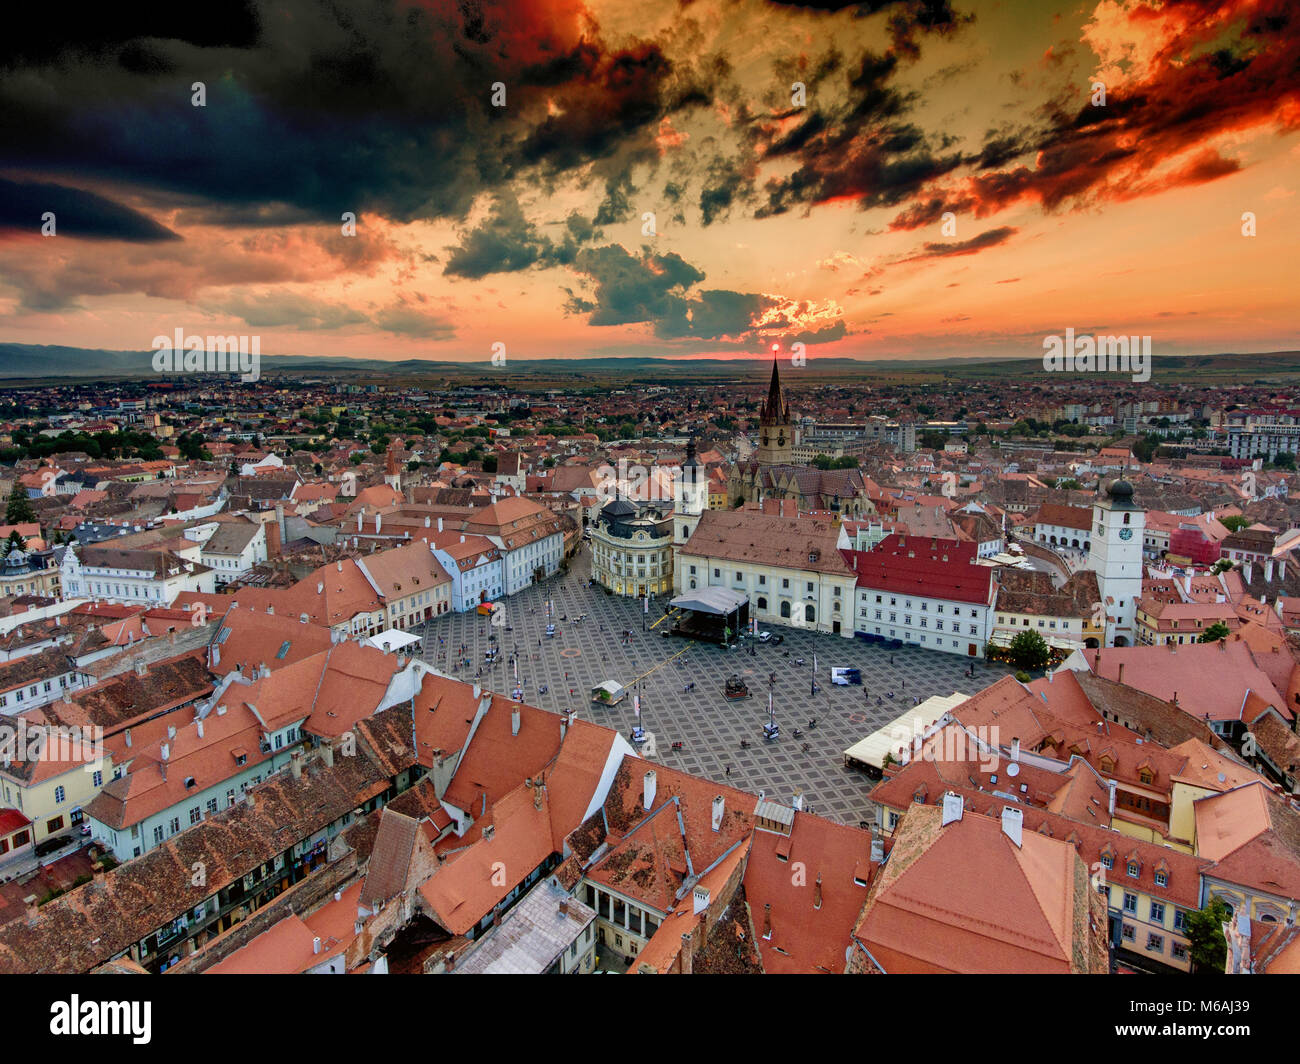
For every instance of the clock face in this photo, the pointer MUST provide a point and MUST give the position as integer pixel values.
(1126, 533)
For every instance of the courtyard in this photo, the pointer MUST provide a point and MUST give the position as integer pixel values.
(557, 674)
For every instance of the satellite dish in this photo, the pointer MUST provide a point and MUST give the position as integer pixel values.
(1013, 769)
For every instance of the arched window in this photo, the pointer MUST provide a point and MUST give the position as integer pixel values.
(762, 603)
(1126, 517)
(785, 609)
(809, 614)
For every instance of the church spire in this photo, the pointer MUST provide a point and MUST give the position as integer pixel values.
(774, 410)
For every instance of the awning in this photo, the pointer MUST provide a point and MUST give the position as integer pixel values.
(715, 600)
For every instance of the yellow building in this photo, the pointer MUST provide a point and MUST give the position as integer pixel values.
(51, 774)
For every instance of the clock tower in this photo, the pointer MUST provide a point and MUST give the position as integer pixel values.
(776, 432)
(1118, 524)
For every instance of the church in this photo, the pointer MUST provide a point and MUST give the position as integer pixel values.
(771, 473)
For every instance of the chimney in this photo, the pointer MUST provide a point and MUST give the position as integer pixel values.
(1268, 570)
(719, 807)
(320, 588)
(221, 710)
(462, 539)
(295, 765)
(648, 789)
(688, 945)
(165, 751)
(1248, 569)
(327, 753)
(489, 832)
(1015, 748)
(564, 906)
(1012, 821)
(1110, 804)
(127, 736)
(1119, 678)
(699, 899)
(767, 920)
(198, 724)
(171, 731)
(817, 892)
(339, 565)
(537, 794)
(514, 721)
(952, 808)
(140, 669)
(440, 524)
(32, 909)
(315, 944)
(426, 521)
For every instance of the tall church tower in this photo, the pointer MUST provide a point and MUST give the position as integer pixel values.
(776, 432)
(692, 496)
(1118, 524)
(392, 474)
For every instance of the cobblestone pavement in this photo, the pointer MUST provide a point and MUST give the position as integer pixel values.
(583, 654)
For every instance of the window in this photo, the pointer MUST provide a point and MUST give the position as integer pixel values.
(157, 835)
(1162, 879)
(1134, 869)
(1155, 943)
(59, 795)
(1157, 912)
(1180, 919)
(173, 825)
(1128, 933)
(1130, 902)
(196, 814)
(1178, 951)
(98, 778)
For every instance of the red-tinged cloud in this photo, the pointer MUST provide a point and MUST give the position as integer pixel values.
(1157, 127)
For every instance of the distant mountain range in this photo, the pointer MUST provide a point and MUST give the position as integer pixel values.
(30, 362)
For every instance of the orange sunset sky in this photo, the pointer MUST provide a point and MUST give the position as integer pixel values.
(776, 220)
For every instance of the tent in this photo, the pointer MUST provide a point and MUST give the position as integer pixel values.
(898, 736)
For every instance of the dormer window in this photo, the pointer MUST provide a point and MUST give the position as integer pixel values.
(1145, 775)
(189, 782)
(1162, 879)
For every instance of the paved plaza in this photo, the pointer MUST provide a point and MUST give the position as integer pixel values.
(710, 728)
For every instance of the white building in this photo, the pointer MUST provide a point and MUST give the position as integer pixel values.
(114, 574)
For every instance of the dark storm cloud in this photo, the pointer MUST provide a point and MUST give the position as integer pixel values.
(505, 243)
(658, 289)
(375, 107)
(77, 213)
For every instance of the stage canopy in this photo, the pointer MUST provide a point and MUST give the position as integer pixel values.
(715, 600)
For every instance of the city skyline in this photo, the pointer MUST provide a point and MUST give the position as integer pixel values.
(779, 215)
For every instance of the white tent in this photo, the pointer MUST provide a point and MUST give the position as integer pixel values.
(898, 736)
(390, 640)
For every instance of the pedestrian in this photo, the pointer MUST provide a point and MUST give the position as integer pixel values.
(728, 770)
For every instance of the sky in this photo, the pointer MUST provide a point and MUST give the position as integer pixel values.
(717, 178)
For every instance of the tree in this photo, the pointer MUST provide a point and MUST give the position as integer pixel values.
(1218, 630)
(1205, 936)
(19, 510)
(1029, 650)
(490, 464)
(1234, 523)
(933, 440)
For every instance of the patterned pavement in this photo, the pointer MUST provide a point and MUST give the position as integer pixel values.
(710, 728)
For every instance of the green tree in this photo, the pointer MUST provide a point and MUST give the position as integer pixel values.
(1234, 523)
(1029, 650)
(19, 510)
(1205, 936)
(490, 464)
(1218, 630)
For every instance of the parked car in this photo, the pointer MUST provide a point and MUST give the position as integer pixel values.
(763, 637)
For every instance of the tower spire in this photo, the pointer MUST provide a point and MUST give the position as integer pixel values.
(774, 408)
